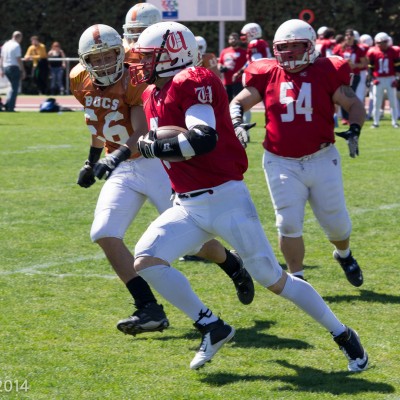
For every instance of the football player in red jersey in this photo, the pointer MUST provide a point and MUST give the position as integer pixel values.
(231, 60)
(384, 66)
(299, 90)
(302, 91)
(212, 199)
(113, 111)
(356, 57)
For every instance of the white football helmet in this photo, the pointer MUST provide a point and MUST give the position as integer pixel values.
(381, 37)
(173, 47)
(202, 44)
(321, 30)
(251, 31)
(295, 31)
(101, 39)
(138, 18)
(366, 40)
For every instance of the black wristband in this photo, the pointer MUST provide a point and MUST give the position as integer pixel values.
(94, 155)
(123, 153)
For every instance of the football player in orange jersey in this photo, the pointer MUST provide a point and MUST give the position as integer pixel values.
(113, 112)
(137, 19)
(206, 60)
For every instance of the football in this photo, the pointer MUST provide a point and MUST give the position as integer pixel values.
(167, 132)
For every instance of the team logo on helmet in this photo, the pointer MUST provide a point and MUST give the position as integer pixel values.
(175, 42)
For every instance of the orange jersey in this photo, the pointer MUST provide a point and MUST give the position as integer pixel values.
(130, 56)
(107, 108)
(210, 62)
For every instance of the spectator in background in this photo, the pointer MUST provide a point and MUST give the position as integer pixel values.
(37, 53)
(11, 66)
(57, 68)
(231, 60)
(206, 60)
(356, 57)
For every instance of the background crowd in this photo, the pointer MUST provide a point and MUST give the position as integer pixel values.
(42, 71)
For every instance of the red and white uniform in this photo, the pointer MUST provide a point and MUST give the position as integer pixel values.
(383, 64)
(258, 48)
(168, 106)
(225, 209)
(107, 115)
(325, 47)
(355, 54)
(233, 59)
(300, 162)
(299, 107)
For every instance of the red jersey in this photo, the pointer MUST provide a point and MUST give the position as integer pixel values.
(298, 106)
(107, 109)
(233, 59)
(325, 46)
(383, 63)
(258, 48)
(353, 53)
(167, 106)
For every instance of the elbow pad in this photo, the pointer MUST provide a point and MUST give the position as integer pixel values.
(199, 140)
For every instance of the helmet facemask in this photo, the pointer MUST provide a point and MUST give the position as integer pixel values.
(292, 60)
(110, 69)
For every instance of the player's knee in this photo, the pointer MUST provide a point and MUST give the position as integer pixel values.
(98, 232)
(264, 269)
(290, 228)
(338, 232)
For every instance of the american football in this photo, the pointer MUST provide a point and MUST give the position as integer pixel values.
(167, 132)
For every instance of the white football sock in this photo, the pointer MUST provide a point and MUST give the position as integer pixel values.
(307, 298)
(176, 289)
(343, 253)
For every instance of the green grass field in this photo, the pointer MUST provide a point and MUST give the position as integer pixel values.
(60, 300)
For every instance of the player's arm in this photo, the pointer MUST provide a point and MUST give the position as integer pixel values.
(139, 126)
(200, 138)
(86, 173)
(105, 167)
(243, 102)
(346, 98)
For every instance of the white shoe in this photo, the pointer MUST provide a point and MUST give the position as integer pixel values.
(214, 336)
(351, 346)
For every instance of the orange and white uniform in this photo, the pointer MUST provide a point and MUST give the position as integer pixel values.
(108, 117)
(107, 108)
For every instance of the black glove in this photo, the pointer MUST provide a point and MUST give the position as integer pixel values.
(86, 175)
(104, 168)
(242, 133)
(351, 136)
(145, 144)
